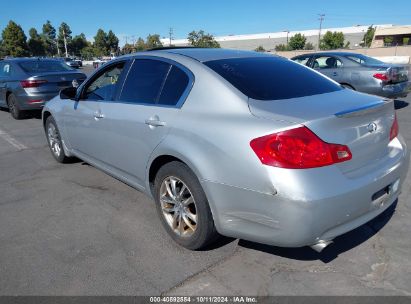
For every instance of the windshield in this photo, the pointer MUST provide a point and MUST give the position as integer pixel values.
(39, 66)
(272, 78)
(364, 60)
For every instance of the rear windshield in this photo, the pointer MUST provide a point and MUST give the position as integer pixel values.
(271, 78)
(364, 60)
(39, 66)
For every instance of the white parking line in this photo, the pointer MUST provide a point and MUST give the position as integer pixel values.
(12, 141)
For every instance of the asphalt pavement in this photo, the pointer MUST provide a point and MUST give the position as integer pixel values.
(72, 230)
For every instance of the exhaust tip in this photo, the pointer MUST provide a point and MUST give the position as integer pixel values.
(320, 245)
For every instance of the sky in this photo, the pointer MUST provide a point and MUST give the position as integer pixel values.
(132, 19)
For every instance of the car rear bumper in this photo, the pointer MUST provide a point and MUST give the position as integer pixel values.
(396, 90)
(34, 101)
(310, 205)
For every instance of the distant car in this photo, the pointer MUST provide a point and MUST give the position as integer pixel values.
(79, 61)
(360, 72)
(245, 144)
(72, 63)
(27, 83)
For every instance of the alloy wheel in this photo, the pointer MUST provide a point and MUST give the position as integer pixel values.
(54, 139)
(178, 206)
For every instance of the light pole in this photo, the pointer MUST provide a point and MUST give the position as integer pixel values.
(170, 33)
(287, 31)
(319, 32)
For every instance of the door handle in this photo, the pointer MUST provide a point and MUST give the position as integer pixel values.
(155, 122)
(98, 115)
(335, 74)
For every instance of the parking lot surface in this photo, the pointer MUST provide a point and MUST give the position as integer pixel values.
(72, 230)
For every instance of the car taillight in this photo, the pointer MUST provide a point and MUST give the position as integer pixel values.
(298, 148)
(394, 128)
(32, 83)
(382, 76)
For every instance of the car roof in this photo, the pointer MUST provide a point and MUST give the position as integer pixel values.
(25, 59)
(344, 54)
(210, 54)
(201, 54)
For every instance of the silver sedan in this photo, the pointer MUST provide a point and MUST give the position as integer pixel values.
(236, 143)
(361, 73)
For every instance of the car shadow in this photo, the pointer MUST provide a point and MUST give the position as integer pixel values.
(36, 114)
(399, 104)
(341, 244)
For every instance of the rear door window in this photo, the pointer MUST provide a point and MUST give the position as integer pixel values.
(326, 62)
(174, 87)
(271, 77)
(145, 81)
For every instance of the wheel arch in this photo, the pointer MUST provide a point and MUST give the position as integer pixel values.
(46, 114)
(348, 84)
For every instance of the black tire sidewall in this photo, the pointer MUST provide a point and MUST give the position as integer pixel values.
(15, 112)
(205, 232)
(62, 158)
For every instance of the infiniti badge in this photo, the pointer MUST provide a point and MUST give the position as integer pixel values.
(372, 127)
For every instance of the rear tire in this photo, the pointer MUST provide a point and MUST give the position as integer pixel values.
(183, 207)
(54, 141)
(14, 108)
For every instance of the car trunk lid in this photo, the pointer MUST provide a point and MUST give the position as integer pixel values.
(362, 122)
(54, 82)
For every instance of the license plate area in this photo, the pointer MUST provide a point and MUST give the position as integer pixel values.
(380, 198)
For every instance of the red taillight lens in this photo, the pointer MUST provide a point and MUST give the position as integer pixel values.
(33, 83)
(298, 148)
(382, 76)
(394, 128)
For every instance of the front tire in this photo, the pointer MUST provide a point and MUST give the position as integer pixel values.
(54, 140)
(183, 207)
(14, 108)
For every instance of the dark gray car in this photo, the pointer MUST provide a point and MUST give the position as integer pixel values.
(27, 83)
(360, 72)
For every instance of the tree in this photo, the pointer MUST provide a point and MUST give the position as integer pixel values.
(89, 52)
(388, 40)
(297, 42)
(64, 37)
(35, 43)
(112, 42)
(260, 48)
(153, 41)
(14, 40)
(368, 37)
(78, 44)
(309, 46)
(202, 40)
(100, 43)
(49, 39)
(140, 45)
(282, 48)
(332, 41)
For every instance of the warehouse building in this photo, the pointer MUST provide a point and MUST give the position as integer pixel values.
(269, 41)
(392, 36)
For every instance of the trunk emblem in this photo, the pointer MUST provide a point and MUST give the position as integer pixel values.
(372, 127)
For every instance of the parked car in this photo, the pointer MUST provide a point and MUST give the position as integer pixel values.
(79, 61)
(71, 62)
(27, 83)
(242, 144)
(360, 72)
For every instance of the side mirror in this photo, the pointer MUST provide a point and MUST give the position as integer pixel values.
(68, 93)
